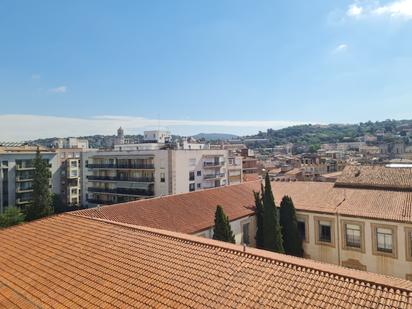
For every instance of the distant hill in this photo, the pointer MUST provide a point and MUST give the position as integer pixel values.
(308, 134)
(215, 136)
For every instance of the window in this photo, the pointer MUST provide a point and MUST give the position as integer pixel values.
(408, 237)
(325, 234)
(199, 185)
(324, 231)
(191, 176)
(199, 173)
(191, 187)
(384, 240)
(303, 227)
(162, 177)
(192, 162)
(245, 236)
(353, 235)
(73, 163)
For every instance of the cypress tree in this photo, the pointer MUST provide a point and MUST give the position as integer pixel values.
(41, 205)
(259, 220)
(292, 242)
(272, 234)
(222, 230)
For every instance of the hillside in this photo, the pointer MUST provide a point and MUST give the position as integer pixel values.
(333, 133)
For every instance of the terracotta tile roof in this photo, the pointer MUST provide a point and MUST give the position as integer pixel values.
(194, 212)
(377, 177)
(68, 261)
(250, 177)
(186, 213)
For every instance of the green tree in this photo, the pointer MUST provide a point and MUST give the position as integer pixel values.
(41, 205)
(11, 216)
(222, 230)
(292, 242)
(272, 235)
(259, 219)
(57, 204)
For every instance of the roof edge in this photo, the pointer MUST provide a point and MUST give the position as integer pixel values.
(386, 282)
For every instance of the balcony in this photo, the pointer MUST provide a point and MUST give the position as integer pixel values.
(122, 191)
(23, 201)
(123, 166)
(120, 178)
(213, 164)
(20, 167)
(214, 176)
(24, 190)
(99, 201)
(24, 178)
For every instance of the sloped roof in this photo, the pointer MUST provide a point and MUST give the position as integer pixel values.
(376, 177)
(68, 261)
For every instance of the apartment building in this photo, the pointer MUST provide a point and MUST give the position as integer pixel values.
(16, 174)
(120, 176)
(363, 221)
(70, 175)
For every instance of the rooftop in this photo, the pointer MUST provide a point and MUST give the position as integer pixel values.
(194, 212)
(376, 177)
(67, 261)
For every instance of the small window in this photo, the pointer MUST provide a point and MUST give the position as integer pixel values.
(199, 173)
(302, 229)
(384, 240)
(191, 187)
(408, 236)
(325, 232)
(73, 163)
(192, 162)
(353, 235)
(191, 176)
(162, 177)
(245, 236)
(199, 185)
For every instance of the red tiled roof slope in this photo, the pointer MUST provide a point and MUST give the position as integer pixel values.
(194, 212)
(185, 213)
(68, 261)
(376, 176)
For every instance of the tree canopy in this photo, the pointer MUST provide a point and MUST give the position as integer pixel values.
(222, 230)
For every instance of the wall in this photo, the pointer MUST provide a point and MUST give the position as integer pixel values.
(236, 226)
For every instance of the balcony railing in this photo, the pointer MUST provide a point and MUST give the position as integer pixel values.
(125, 191)
(123, 166)
(213, 164)
(24, 178)
(24, 190)
(99, 201)
(121, 178)
(23, 201)
(24, 167)
(214, 176)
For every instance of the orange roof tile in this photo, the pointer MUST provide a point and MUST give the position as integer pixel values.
(68, 261)
(377, 177)
(194, 212)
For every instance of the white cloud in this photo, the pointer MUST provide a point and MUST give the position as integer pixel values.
(26, 127)
(402, 8)
(340, 48)
(354, 10)
(60, 89)
(393, 9)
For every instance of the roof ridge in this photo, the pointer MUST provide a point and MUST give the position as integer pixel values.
(311, 265)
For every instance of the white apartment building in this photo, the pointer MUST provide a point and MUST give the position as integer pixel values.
(16, 174)
(112, 177)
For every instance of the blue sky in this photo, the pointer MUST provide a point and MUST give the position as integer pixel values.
(210, 66)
